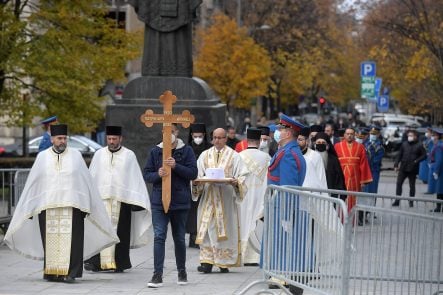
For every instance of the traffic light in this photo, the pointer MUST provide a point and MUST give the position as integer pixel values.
(322, 101)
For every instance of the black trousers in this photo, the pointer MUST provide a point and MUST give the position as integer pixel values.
(76, 259)
(402, 175)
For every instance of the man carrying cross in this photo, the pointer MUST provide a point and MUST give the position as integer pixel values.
(170, 167)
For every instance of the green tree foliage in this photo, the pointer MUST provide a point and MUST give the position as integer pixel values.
(232, 63)
(407, 43)
(54, 58)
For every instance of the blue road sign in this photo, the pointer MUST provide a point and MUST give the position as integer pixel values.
(377, 89)
(367, 69)
(383, 103)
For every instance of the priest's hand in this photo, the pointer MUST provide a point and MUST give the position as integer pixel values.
(162, 172)
(170, 162)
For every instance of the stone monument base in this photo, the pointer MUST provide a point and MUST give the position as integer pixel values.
(143, 93)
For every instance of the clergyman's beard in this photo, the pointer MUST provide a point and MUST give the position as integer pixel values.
(60, 148)
(113, 147)
(324, 157)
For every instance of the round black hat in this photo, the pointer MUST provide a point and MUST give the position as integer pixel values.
(305, 131)
(253, 133)
(61, 129)
(114, 130)
(264, 130)
(198, 128)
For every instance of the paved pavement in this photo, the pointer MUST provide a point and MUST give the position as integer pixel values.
(19, 275)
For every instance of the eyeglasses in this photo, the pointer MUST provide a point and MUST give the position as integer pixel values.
(218, 137)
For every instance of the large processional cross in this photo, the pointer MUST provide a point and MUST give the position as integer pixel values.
(167, 118)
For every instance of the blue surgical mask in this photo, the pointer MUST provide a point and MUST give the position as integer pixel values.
(277, 135)
(372, 137)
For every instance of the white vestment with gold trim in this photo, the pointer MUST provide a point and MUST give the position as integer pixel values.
(218, 212)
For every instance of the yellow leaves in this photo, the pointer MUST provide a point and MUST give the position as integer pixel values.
(231, 62)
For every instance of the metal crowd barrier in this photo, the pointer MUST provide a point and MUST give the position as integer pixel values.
(12, 182)
(311, 241)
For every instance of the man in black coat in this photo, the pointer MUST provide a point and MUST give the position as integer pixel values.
(409, 157)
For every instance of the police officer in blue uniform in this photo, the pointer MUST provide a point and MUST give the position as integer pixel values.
(46, 140)
(375, 152)
(288, 167)
(437, 167)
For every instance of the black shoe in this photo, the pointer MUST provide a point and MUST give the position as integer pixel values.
(118, 270)
(437, 210)
(69, 280)
(91, 267)
(411, 204)
(205, 268)
(295, 290)
(396, 203)
(250, 264)
(156, 281)
(182, 277)
(224, 269)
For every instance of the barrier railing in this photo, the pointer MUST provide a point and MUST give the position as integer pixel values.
(310, 241)
(12, 182)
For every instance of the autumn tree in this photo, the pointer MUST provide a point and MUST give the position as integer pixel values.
(231, 62)
(311, 46)
(54, 58)
(407, 43)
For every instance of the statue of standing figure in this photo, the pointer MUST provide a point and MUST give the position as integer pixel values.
(168, 36)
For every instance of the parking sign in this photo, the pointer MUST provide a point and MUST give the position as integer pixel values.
(383, 103)
(367, 69)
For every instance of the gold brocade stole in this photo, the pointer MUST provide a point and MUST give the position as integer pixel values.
(58, 240)
(254, 168)
(107, 256)
(213, 204)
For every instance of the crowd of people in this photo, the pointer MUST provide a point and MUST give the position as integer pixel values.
(73, 217)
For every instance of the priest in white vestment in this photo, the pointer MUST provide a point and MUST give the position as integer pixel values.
(251, 209)
(60, 217)
(218, 211)
(118, 177)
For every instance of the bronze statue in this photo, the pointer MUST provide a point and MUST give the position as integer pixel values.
(168, 36)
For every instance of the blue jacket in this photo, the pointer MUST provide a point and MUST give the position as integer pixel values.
(45, 143)
(287, 166)
(185, 170)
(437, 168)
(375, 153)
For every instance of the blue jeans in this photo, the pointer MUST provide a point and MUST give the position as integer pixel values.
(160, 221)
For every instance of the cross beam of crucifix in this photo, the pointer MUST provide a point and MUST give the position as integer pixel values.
(167, 118)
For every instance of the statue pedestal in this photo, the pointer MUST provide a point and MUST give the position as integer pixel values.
(143, 93)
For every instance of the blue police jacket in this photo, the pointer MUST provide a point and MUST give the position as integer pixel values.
(375, 152)
(287, 166)
(45, 143)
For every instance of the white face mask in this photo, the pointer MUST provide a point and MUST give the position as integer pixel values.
(263, 144)
(173, 138)
(427, 135)
(198, 140)
(359, 140)
(410, 138)
(277, 135)
(372, 137)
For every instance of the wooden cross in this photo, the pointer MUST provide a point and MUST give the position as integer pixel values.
(167, 118)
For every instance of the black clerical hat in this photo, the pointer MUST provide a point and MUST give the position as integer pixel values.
(264, 130)
(253, 133)
(316, 128)
(198, 128)
(114, 130)
(305, 131)
(61, 129)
